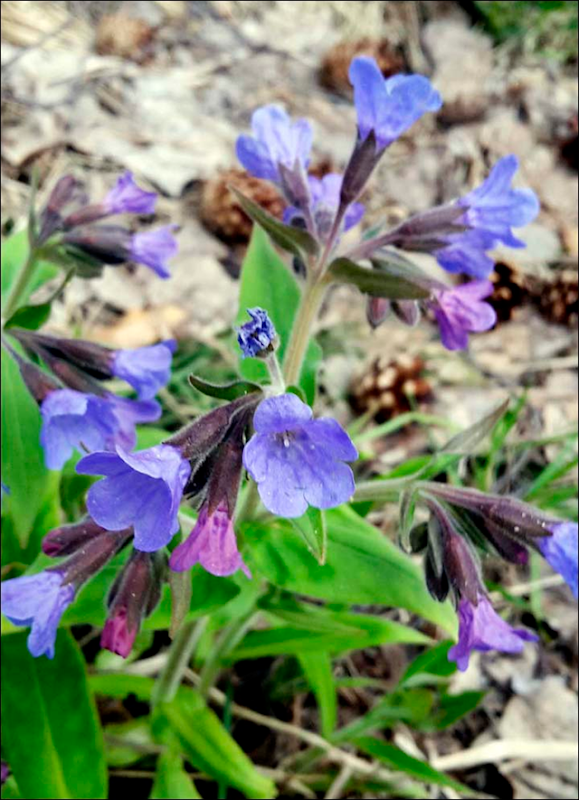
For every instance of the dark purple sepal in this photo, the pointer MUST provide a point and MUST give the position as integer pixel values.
(67, 539)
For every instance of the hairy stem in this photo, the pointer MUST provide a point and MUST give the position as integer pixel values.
(178, 659)
(312, 296)
(230, 638)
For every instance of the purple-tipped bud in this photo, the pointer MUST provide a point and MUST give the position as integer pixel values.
(407, 311)
(141, 489)
(126, 197)
(481, 628)
(560, 551)
(257, 337)
(133, 597)
(66, 190)
(68, 539)
(377, 309)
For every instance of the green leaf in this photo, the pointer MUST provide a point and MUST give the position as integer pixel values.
(171, 779)
(465, 441)
(267, 282)
(52, 738)
(30, 317)
(121, 685)
(14, 254)
(317, 669)
(211, 748)
(451, 708)
(412, 706)
(397, 759)
(376, 282)
(362, 566)
(227, 391)
(312, 527)
(23, 469)
(124, 740)
(294, 240)
(431, 663)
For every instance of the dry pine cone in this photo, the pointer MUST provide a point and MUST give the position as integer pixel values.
(220, 210)
(336, 62)
(389, 388)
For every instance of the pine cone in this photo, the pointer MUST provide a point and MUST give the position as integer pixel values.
(389, 388)
(558, 300)
(220, 210)
(336, 62)
(511, 291)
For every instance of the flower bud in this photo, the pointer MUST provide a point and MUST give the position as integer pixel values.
(68, 539)
(377, 309)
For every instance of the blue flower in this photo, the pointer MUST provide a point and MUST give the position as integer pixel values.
(460, 311)
(325, 200)
(146, 369)
(154, 249)
(39, 601)
(276, 140)
(74, 420)
(127, 198)
(297, 461)
(560, 550)
(388, 107)
(481, 628)
(141, 489)
(491, 211)
(256, 335)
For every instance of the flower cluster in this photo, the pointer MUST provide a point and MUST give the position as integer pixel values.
(459, 235)
(77, 412)
(462, 519)
(67, 227)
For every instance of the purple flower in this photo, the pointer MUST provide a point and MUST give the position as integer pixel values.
(491, 211)
(297, 461)
(256, 335)
(211, 543)
(38, 601)
(127, 198)
(74, 420)
(325, 200)
(154, 249)
(388, 107)
(146, 369)
(460, 311)
(560, 550)
(481, 628)
(142, 489)
(276, 140)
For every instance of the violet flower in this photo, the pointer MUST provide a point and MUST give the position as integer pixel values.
(461, 310)
(126, 197)
(325, 201)
(73, 420)
(256, 335)
(387, 108)
(212, 543)
(491, 211)
(38, 601)
(146, 369)
(481, 628)
(297, 461)
(141, 489)
(154, 249)
(560, 551)
(276, 140)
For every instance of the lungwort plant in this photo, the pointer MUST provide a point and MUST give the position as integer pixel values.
(244, 532)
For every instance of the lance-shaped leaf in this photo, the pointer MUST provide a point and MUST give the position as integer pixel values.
(465, 441)
(377, 282)
(224, 391)
(294, 240)
(31, 317)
